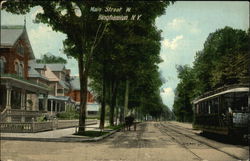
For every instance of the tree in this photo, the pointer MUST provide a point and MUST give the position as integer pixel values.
(51, 59)
(184, 94)
(140, 50)
(223, 61)
(64, 16)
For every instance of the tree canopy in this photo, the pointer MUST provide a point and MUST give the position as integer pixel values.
(224, 60)
(120, 57)
(51, 59)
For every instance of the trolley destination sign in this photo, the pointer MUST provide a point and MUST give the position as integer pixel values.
(109, 13)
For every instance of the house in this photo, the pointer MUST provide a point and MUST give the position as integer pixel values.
(74, 93)
(29, 89)
(19, 93)
(57, 77)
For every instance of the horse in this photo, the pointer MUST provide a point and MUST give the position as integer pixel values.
(129, 120)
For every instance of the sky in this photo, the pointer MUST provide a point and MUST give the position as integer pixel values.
(185, 27)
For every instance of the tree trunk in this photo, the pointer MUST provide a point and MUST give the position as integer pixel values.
(102, 119)
(124, 109)
(113, 103)
(126, 98)
(117, 112)
(83, 94)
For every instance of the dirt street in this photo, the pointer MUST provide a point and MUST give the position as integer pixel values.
(153, 141)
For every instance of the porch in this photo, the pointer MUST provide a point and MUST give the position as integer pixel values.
(19, 99)
(57, 104)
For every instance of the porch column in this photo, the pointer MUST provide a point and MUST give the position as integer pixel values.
(37, 102)
(56, 107)
(60, 107)
(23, 99)
(8, 97)
(51, 106)
(45, 102)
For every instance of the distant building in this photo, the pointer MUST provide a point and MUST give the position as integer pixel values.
(74, 93)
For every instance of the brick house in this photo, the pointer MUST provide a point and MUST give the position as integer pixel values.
(29, 89)
(19, 96)
(74, 93)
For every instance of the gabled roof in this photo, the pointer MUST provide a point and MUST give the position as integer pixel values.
(56, 67)
(10, 35)
(40, 66)
(35, 65)
(50, 75)
(34, 74)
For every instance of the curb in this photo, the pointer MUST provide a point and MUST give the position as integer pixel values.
(105, 136)
(95, 139)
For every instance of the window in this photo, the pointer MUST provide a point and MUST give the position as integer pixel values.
(20, 72)
(228, 101)
(42, 72)
(241, 101)
(16, 67)
(2, 65)
(20, 49)
(92, 113)
(59, 90)
(206, 107)
(197, 108)
(215, 105)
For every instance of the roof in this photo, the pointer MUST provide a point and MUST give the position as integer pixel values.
(34, 74)
(56, 67)
(50, 75)
(63, 84)
(237, 89)
(39, 66)
(10, 35)
(75, 83)
(60, 98)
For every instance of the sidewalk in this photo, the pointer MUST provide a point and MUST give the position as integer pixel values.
(58, 135)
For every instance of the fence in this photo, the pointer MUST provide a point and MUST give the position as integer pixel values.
(31, 127)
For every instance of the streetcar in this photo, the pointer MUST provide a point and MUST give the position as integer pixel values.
(223, 111)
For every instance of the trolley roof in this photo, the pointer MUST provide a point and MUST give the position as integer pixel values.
(220, 92)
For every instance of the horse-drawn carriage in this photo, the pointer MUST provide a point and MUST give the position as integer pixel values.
(129, 121)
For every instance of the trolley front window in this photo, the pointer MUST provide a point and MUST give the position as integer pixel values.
(241, 101)
(236, 102)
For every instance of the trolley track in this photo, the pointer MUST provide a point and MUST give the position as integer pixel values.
(240, 145)
(165, 131)
(168, 129)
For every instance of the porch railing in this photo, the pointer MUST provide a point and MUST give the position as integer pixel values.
(3, 115)
(13, 112)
